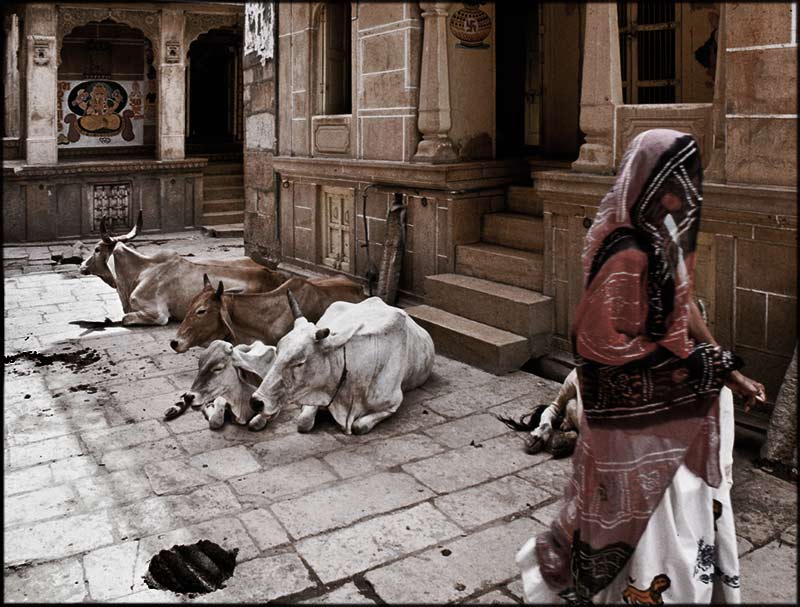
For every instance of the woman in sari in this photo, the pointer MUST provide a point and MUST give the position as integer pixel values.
(646, 517)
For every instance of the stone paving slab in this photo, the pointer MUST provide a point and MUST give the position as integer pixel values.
(769, 575)
(458, 569)
(345, 552)
(348, 502)
(432, 505)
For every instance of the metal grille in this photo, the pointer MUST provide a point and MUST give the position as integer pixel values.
(111, 201)
(649, 51)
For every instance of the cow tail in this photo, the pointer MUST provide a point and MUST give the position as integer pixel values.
(526, 423)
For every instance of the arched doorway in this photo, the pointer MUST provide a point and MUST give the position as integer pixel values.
(107, 91)
(214, 93)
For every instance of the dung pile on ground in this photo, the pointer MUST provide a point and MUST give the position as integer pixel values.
(197, 568)
(74, 361)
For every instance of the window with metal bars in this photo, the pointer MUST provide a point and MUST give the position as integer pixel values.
(650, 51)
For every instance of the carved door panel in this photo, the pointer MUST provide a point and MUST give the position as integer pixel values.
(337, 209)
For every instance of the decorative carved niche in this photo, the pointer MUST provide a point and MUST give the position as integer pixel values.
(173, 54)
(200, 23)
(41, 50)
(147, 21)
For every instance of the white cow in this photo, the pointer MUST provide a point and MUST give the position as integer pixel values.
(226, 378)
(357, 361)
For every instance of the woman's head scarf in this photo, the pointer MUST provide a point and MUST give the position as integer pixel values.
(660, 165)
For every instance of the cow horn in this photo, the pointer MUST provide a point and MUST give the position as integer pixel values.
(206, 281)
(322, 333)
(134, 232)
(107, 238)
(220, 291)
(293, 305)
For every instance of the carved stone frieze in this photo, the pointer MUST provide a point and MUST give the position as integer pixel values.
(200, 23)
(146, 21)
(41, 49)
(173, 54)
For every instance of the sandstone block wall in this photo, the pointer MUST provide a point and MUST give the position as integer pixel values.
(260, 218)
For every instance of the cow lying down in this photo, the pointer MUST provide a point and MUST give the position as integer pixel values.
(246, 317)
(357, 361)
(154, 288)
(226, 378)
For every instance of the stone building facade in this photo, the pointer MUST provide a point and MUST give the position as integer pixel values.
(115, 108)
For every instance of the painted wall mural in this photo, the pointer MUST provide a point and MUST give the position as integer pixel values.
(98, 113)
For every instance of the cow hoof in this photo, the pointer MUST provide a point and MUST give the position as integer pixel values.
(359, 428)
(305, 426)
(215, 422)
(173, 412)
(258, 423)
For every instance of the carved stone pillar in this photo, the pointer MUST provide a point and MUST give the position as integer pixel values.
(434, 88)
(601, 91)
(716, 163)
(171, 87)
(11, 114)
(41, 82)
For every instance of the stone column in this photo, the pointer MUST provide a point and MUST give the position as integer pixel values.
(11, 114)
(434, 88)
(41, 84)
(601, 91)
(171, 87)
(716, 163)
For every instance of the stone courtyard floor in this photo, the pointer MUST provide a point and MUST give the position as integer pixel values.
(431, 506)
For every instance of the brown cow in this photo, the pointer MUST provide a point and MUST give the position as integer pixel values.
(155, 288)
(246, 317)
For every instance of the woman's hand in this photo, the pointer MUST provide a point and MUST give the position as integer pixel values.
(751, 391)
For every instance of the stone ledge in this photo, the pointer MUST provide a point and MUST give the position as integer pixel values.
(775, 200)
(456, 176)
(19, 169)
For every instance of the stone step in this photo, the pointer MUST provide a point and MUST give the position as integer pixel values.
(522, 199)
(509, 266)
(222, 180)
(222, 218)
(474, 343)
(224, 168)
(221, 206)
(225, 193)
(505, 307)
(513, 230)
(232, 230)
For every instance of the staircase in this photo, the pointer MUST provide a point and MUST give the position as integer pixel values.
(491, 313)
(223, 198)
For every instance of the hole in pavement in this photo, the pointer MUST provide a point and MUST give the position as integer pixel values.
(201, 567)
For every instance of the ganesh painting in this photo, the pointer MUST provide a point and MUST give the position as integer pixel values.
(101, 112)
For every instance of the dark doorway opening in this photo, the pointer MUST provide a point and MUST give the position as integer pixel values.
(518, 71)
(214, 92)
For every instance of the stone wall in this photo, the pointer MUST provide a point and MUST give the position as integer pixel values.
(386, 43)
(260, 218)
(46, 203)
(761, 94)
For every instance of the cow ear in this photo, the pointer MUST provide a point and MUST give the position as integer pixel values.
(220, 291)
(337, 340)
(322, 333)
(206, 281)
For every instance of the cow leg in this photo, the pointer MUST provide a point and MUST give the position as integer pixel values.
(160, 317)
(215, 413)
(367, 422)
(306, 419)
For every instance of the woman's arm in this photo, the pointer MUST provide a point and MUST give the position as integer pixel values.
(751, 391)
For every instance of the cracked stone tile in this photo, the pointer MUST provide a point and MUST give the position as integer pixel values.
(281, 481)
(56, 582)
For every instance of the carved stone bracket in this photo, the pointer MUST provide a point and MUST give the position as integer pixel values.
(146, 21)
(200, 23)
